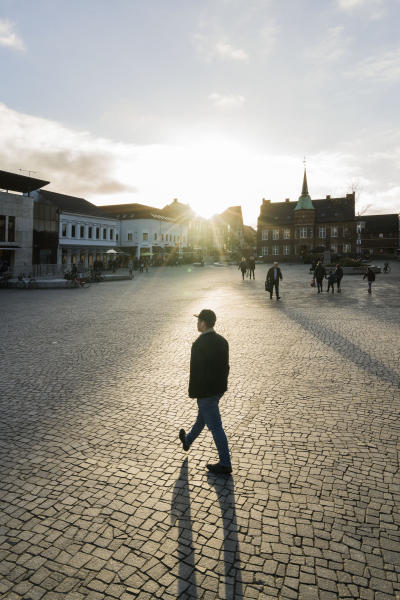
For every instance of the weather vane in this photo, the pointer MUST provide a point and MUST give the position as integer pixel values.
(304, 162)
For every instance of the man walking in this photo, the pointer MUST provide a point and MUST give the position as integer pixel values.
(319, 274)
(252, 266)
(273, 276)
(209, 369)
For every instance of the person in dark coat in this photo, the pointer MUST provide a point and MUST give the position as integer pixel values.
(339, 277)
(331, 277)
(319, 274)
(252, 266)
(370, 275)
(209, 369)
(273, 276)
(243, 266)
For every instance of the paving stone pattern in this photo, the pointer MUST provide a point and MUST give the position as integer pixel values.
(98, 499)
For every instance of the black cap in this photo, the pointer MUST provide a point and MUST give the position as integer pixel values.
(208, 316)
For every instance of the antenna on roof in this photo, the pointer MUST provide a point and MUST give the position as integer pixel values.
(26, 171)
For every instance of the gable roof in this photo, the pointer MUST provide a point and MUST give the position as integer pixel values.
(327, 210)
(135, 211)
(70, 203)
(380, 223)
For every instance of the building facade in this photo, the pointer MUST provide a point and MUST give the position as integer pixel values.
(294, 231)
(147, 231)
(377, 235)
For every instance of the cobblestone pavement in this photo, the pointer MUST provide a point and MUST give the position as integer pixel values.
(100, 502)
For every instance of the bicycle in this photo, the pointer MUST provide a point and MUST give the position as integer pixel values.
(387, 268)
(78, 283)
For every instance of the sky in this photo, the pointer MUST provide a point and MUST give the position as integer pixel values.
(213, 102)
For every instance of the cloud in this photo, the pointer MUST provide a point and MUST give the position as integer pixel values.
(74, 162)
(8, 37)
(384, 68)
(332, 46)
(226, 51)
(227, 101)
(375, 8)
(210, 49)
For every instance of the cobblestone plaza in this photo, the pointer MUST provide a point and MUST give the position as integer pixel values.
(98, 499)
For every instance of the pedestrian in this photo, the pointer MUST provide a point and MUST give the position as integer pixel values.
(252, 266)
(319, 274)
(370, 275)
(209, 369)
(339, 277)
(272, 281)
(331, 277)
(141, 268)
(130, 268)
(243, 267)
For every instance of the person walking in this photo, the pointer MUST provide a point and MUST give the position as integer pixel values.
(209, 369)
(331, 277)
(252, 266)
(130, 268)
(273, 276)
(370, 275)
(319, 274)
(339, 277)
(243, 267)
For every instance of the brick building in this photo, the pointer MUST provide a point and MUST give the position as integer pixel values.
(293, 231)
(377, 235)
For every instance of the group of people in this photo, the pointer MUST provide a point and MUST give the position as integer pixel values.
(333, 276)
(248, 267)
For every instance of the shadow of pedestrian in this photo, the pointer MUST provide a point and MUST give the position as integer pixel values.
(225, 489)
(180, 513)
(343, 346)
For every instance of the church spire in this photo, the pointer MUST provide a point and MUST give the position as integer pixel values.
(304, 202)
(304, 191)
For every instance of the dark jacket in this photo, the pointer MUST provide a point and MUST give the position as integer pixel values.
(209, 366)
(339, 273)
(370, 275)
(270, 274)
(319, 272)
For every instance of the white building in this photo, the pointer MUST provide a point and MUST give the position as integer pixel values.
(147, 231)
(85, 233)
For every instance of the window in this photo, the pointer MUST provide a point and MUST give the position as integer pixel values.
(380, 235)
(82, 231)
(90, 232)
(265, 234)
(73, 230)
(322, 232)
(264, 250)
(334, 248)
(275, 250)
(286, 234)
(155, 237)
(117, 237)
(97, 233)
(345, 232)
(346, 248)
(11, 229)
(111, 234)
(162, 237)
(310, 232)
(275, 234)
(286, 250)
(166, 237)
(104, 234)
(145, 236)
(303, 232)
(2, 228)
(129, 237)
(334, 231)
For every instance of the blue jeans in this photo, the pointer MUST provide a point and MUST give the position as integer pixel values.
(209, 415)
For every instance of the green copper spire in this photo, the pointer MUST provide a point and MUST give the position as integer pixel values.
(304, 202)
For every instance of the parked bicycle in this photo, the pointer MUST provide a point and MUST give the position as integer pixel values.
(78, 283)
